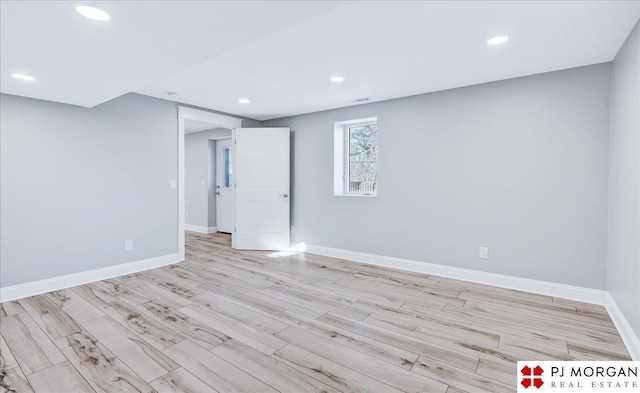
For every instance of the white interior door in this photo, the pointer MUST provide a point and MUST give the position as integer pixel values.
(261, 200)
(224, 186)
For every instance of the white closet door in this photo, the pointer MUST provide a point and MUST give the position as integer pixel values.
(261, 200)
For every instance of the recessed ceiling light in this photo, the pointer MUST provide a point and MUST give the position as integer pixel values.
(91, 12)
(501, 39)
(244, 101)
(337, 78)
(23, 77)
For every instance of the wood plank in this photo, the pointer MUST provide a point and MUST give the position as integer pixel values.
(467, 286)
(117, 289)
(450, 342)
(156, 293)
(310, 300)
(99, 367)
(180, 381)
(245, 315)
(164, 281)
(150, 330)
(10, 308)
(254, 338)
(49, 316)
(14, 381)
(330, 373)
(378, 349)
(504, 328)
(142, 358)
(269, 370)
(551, 325)
(444, 326)
(217, 274)
(397, 339)
(60, 378)
(74, 305)
(508, 375)
(177, 274)
(201, 334)
(262, 301)
(459, 379)
(584, 350)
(94, 295)
(353, 295)
(409, 295)
(214, 371)
(315, 290)
(358, 361)
(32, 349)
(7, 360)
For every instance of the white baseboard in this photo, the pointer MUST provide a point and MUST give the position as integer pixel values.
(195, 228)
(56, 283)
(631, 341)
(497, 280)
(547, 288)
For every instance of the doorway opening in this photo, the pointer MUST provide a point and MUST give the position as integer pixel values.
(252, 171)
(198, 134)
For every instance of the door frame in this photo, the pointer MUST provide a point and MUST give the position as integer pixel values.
(217, 121)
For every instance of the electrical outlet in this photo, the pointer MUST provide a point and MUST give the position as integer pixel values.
(484, 253)
(202, 182)
(128, 245)
(173, 184)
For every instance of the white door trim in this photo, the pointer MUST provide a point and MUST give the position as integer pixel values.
(181, 174)
(217, 120)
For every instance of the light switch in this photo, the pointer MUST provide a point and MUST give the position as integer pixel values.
(173, 184)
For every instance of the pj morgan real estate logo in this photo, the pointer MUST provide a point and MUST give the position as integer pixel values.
(582, 377)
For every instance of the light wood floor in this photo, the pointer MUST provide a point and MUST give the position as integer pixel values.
(230, 321)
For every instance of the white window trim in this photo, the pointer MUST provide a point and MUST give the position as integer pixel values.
(341, 159)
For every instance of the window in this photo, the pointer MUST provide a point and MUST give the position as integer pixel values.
(356, 157)
(227, 173)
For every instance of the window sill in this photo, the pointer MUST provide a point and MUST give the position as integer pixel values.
(356, 195)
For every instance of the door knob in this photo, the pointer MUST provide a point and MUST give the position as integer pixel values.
(284, 195)
(217, 192)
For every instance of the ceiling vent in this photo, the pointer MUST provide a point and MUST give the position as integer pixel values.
(360, 100)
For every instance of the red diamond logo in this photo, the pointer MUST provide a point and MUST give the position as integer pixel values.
(532, 377)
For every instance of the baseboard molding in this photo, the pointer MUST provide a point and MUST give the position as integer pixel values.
(195, 228)
(497, 280)
(586, 295)
(631, 341)
(56, 283)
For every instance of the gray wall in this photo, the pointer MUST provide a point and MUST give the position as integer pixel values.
(77, 182)
(200, 165)
(519, 166)
(623, 265)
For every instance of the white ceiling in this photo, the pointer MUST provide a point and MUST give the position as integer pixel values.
(83, 62)
(280, 55)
